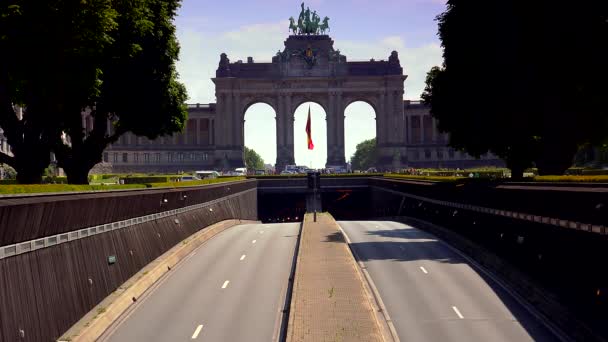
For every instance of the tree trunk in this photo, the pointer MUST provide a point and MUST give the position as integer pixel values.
(29, 176)
(555, 158)
(30, 165)
(517, 168)
(78, 175)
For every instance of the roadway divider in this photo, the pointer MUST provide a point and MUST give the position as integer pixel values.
(329, 298)
(117, 306)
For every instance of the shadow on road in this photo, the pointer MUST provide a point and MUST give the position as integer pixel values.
(407, 244)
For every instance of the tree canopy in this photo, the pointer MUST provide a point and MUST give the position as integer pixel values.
(365, 155)
(253, 161)
(112, 58)
(522, 79)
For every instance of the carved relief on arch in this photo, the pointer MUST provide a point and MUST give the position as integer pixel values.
(249, 100)
(320, 99)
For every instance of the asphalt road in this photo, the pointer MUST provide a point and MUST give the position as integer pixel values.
(432, 293)
(231, 289)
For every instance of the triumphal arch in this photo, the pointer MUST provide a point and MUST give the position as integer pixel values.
(309, 68)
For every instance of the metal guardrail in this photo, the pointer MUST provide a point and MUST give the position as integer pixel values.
(593, 228)
(49, 241)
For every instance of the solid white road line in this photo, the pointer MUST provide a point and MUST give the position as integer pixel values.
(242, 256)
(457, 312)
(225, 284)
(253, 241)
(197, 331)
(423, 270)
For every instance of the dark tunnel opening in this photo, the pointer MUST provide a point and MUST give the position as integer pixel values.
(343, 204)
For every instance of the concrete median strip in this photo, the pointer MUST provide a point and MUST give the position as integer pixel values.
(330, 301)
(93, 325)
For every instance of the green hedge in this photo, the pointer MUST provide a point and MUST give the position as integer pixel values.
(572, 178)
(55, 180)
(428, 178)
(40, 188)
(148, 179)
(586, 172)
(8, 181)
(195, 183)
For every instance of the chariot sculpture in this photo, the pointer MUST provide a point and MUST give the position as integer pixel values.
(309, 23)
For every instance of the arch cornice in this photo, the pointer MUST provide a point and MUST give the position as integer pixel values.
(251, 99)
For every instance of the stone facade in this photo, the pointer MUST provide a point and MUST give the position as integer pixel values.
(308, 69)
(193, 149)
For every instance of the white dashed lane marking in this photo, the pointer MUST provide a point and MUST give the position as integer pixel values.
(197, 331)
(457, 312)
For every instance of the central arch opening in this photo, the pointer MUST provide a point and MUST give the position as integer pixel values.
(359, 127)
(260, 132)
(317, 157)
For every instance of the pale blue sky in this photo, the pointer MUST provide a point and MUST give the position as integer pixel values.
(361, 29)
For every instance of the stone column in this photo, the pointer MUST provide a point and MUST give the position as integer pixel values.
(332, 130)
(197, 131)
(280, 133)
(289, 127)
(422, 137)
(380, 118)
(339, 156)
(211, 130)
(185, 132)
(409, 129)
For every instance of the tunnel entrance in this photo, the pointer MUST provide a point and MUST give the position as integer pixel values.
(343, 204)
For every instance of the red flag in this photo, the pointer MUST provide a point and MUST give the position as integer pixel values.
(309, 132)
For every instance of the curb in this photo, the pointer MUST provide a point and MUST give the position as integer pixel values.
(96, 322)
(292, 305)
(383, 320)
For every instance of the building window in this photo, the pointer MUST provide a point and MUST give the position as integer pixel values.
(106, 157)
(192, 157)
(427, 154)
(416, 155)
(169, 156)
(439, 154)
(146, 158)
(136, 157)
(205, 156)
(157, 157)
(115, 157)
(451, 153)
(125, 157)
(180, 157)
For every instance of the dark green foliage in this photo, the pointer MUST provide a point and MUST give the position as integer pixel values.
(253, 161)
(114, 58)
(365, 155)
(524, 80)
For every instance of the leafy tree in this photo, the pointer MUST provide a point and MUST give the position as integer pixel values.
(253, 161)
(365, 156)
(522, 79)
(114, 58)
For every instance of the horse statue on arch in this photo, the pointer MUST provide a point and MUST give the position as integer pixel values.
(324, 25)
(292, 25)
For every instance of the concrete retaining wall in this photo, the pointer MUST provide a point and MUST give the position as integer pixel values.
(44, 292)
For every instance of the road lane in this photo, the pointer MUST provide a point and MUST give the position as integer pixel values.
(217, 294)
(432, 293)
